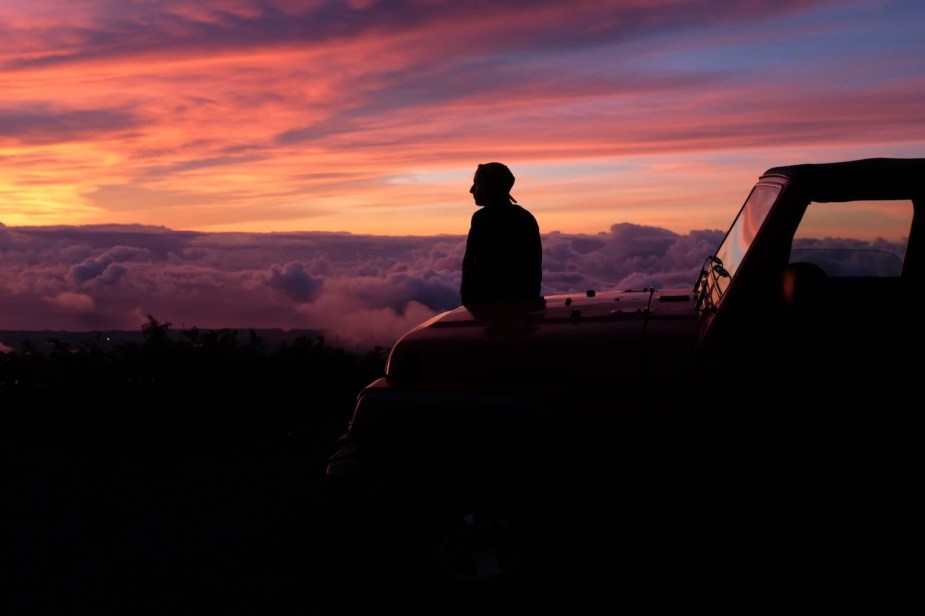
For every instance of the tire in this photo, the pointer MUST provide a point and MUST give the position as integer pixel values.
(475, 539)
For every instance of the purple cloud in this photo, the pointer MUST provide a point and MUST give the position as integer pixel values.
(45, 124)
(363, 290)
(294, 281)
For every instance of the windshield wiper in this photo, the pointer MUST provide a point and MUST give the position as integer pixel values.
(718, 266)
(700, 285)
(712, 265)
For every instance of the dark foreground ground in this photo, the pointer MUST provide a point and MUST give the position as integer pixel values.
(175, 516)
(210, 515)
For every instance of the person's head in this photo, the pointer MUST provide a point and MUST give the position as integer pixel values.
(492, 184)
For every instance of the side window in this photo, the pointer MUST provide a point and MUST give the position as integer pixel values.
(854, 239)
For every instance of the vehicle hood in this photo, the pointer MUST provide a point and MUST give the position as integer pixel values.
(562, 342)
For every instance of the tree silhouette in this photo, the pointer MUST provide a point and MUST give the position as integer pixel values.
(155, 333)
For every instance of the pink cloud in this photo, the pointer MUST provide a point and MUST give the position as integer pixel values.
(77, 302)
(368, 116)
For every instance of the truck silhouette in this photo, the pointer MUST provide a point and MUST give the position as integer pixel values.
(769, 402)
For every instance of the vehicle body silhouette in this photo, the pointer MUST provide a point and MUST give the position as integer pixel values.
(773, 393)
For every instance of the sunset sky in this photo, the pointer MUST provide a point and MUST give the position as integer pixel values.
(369, 116)
(306, 164)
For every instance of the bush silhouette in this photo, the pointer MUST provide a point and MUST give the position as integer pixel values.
(198, 372)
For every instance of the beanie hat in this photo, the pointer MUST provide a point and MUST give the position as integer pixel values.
(499, 175)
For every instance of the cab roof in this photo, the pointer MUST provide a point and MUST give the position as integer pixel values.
(865, 179)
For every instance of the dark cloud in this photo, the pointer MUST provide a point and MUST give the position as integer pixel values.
(43, 124)
(159, 241)
(137, 30)
(304, 134)
(294, 281)
(203, 163)
(89, 269)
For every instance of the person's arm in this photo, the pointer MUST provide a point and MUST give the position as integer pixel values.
(469, 276)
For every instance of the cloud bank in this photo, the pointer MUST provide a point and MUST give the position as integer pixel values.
(364, 290)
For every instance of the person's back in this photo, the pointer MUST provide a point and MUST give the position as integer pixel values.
(503, 260)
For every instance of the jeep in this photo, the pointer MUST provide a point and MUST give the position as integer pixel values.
(766, 407)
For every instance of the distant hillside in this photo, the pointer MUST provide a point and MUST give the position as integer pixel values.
(272, 338)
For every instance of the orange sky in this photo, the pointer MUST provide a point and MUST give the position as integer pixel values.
(370, 117)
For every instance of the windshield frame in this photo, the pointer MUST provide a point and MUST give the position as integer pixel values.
(720, 268)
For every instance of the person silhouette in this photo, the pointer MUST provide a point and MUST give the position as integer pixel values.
(503, 261)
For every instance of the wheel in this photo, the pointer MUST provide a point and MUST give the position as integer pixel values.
(475, 539)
